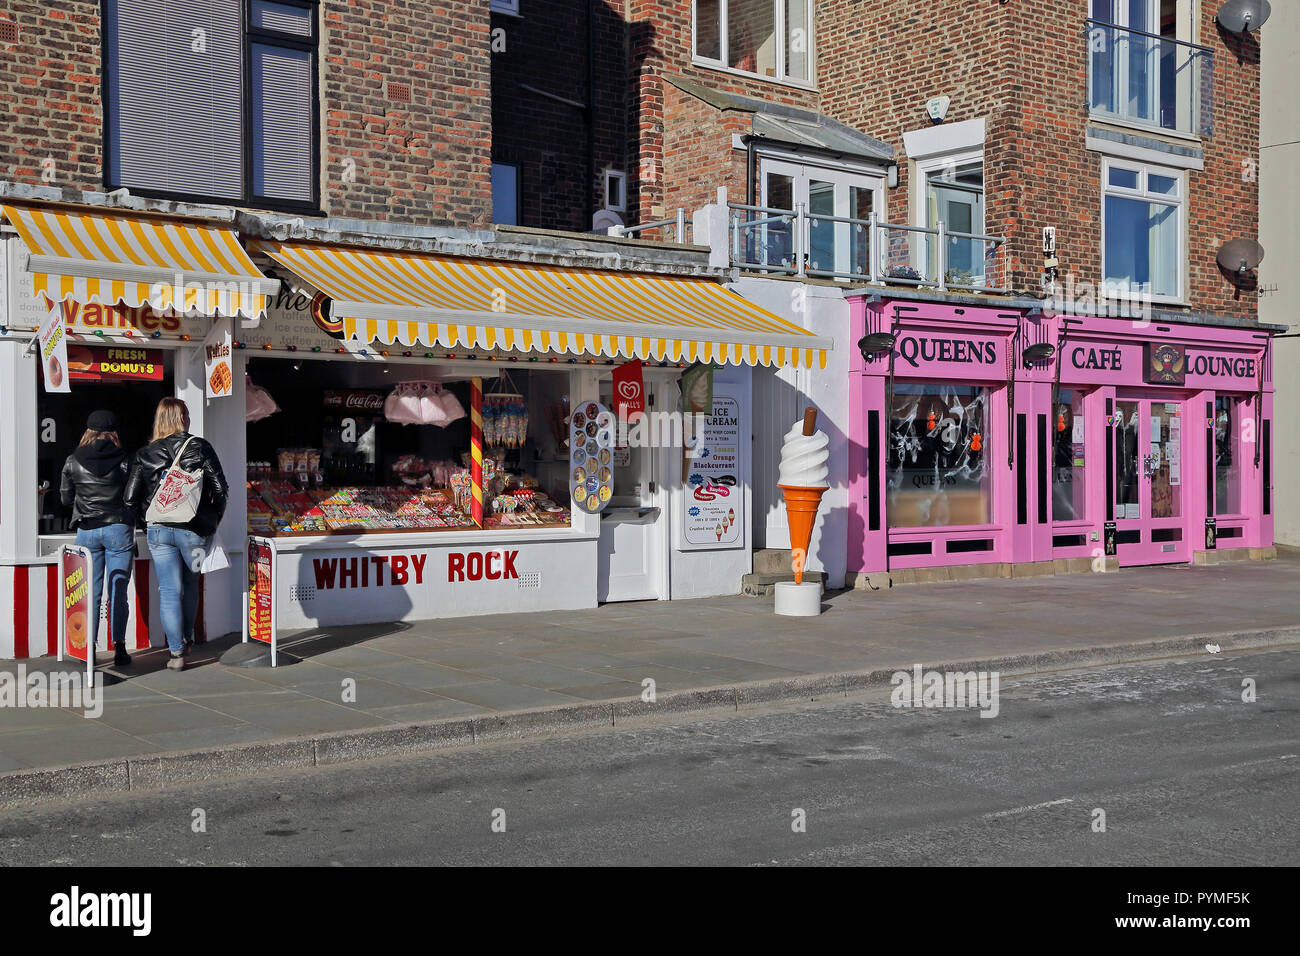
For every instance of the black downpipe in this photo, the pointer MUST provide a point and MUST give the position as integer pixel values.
(751, 164)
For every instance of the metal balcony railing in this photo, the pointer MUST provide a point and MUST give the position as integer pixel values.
(1150, 80)
(679, 224)
(796, 242)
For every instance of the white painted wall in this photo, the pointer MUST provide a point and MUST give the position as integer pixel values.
(1279, 211)
(779, 400)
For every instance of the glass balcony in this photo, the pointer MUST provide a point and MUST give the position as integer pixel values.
(1149, 80)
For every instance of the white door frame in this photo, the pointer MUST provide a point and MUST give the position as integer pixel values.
(841, 176)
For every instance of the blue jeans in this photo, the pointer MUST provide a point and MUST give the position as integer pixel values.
(177, 556)
(112, 549)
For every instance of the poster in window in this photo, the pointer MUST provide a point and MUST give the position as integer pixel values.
(714, 513)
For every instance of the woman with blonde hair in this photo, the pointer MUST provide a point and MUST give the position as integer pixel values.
(93, 485)
(178, 546)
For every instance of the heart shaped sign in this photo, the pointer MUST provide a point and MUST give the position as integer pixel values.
(629, 390)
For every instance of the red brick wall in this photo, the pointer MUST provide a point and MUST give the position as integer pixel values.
(49, 94)
(1021, 65)
(661, 44)
(426, 161)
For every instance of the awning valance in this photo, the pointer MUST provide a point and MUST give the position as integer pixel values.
(464, 303)
(165, 264)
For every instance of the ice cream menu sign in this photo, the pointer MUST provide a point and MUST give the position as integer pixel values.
(713, 510)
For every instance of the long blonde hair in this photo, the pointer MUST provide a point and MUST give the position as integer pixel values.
(172, 416)
(91, 435)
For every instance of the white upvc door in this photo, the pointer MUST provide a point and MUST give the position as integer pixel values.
(838, 247)
(633, 527)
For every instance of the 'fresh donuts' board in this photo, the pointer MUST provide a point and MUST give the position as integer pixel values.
(591, 454)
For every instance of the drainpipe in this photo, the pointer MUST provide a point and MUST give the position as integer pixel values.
(751, 166)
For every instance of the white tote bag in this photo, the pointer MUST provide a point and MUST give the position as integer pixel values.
(177, 499)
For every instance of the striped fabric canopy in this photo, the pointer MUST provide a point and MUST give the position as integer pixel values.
(454, 302)
(165, 264)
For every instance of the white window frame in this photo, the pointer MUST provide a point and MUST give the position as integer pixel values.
(506, 6)
(1142, 193)
(615, 175)
(842, 175)
(782, 78)
(926, 165)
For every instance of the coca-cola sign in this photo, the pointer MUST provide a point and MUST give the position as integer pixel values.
(355, 400)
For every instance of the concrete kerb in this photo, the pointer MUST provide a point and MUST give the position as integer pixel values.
(21, 788)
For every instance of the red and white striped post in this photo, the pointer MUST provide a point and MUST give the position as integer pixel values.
(476, 448)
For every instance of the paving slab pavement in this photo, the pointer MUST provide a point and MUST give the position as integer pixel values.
(580, 668)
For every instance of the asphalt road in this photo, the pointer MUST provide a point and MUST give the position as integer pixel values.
(1186, 772)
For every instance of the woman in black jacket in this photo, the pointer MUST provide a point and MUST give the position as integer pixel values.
(92, 485)
(178, 549)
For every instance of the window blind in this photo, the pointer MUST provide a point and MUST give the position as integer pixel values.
(176, 95)
(282, 122)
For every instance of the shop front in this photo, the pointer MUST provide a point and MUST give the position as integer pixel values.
(1036, 443)
(421, 436)
(135, 297)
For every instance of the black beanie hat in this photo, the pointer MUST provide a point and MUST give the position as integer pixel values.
(102, 421)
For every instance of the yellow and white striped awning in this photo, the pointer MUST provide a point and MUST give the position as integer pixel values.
(165, 264)
(463, 303)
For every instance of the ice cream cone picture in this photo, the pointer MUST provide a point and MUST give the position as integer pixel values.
(803, 480)
(718, 531)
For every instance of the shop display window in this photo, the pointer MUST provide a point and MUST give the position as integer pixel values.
(127, 381)
(364, 448)
(1069, 471)
(1227, 455)
(938, 455)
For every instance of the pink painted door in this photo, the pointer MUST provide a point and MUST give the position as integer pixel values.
(1150, 489)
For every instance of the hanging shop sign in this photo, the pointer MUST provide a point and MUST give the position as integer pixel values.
(53, 345)
(114, 364)
(216, 357)
(259, 618)
(591, 457)
(74, 608)
(714, 510)
(629, 390)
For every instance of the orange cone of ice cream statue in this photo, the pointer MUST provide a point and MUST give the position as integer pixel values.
(805, 454)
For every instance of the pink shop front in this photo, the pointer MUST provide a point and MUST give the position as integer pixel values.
(1011, 437)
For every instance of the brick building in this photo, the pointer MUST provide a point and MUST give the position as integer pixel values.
(356, 110)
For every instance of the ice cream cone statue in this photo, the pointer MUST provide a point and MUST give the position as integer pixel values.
(803, 480)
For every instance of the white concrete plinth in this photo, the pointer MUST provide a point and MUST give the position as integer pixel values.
(799, 600)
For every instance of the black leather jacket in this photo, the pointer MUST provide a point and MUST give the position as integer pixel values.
(96, 495)
(152, 462)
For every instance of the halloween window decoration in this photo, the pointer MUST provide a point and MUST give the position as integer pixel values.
(938, 454)
(1069, 487)
(1227, 457)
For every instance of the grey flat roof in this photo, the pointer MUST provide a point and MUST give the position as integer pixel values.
(792, 125)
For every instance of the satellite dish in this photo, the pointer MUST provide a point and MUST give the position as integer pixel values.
(1244, 16)
(1240, 257)
(604, 220)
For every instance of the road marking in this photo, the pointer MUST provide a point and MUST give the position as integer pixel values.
(1034, 806)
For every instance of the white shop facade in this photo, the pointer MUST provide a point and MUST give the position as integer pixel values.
(369, 517)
